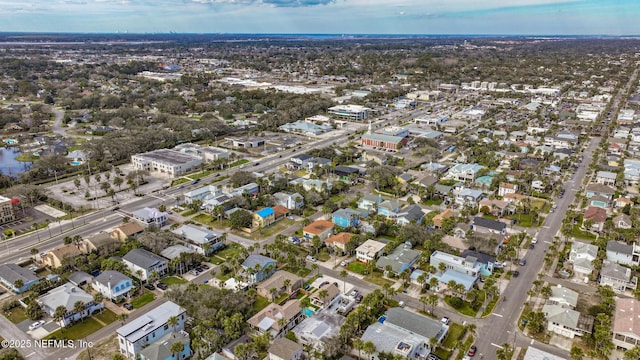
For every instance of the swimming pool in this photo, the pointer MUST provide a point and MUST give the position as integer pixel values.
(307, 312)
(76, 163)
(11, 141)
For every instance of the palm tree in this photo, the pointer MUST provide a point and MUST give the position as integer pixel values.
(18, 284)
(123, 318)
(98, 298)
(78, 308)
(369, 348)
(343, 275)
(358, 344)
(177, 348)
(60, 313)
(505, 352)
(173, 322)
(287, 284)
(33, 252)
(433, 301)
(273, 292)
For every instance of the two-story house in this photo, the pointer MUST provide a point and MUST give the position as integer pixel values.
(606, 178)
(113, 285)
(263, 218)
(285, 349)
(203, 241)
(290, 201)
(126, 231)
(299, 161)
(149, 328)
(600, 190)
(339, 242)
(346, 218)
(567, 322)
(320, 228)
(625, 324)
(484, 225)
(466, 196)
(369, 250)
(464, 172)
(142, 263)
(622, 253)
(507, 188)
(11, 273)
(410, 214)
(617, 276)
(582, 256)
(369, 202)
(401, 258)
(151, 217)
(389, 208)
(258, 268)
(277, 319)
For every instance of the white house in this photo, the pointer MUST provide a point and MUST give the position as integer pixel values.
(201, 240)
(507, 188)
(567, 322)
(622, 253)
(151, 217)
(369, 250)
(67, 295)
(148, 328)
(617, 276)
(581, 256)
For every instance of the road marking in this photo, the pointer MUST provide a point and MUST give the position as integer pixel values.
(496, 314)
(33, 353)
(496, 345)
(547, 242)
(532, 341)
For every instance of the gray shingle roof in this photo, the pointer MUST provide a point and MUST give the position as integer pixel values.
(13, 272)
(252, 260)
(408, 320)
(143, 258)
(111, 276)
(619, 247)
(489, 224)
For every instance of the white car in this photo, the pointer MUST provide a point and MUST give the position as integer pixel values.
(445, 320)
(36, 324)
(534, 241)
(311, 258)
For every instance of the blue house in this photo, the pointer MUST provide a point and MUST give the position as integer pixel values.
(346, 218)
(258, 268)
(10, 273)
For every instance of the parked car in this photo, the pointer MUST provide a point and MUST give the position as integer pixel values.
(204, 266)
(354, 292)
(523, 262)
(194, 272)
(531, 246)
(323, 284)
(162, 286)
(36, 324)
(445, 320)
(344, 263)
(359, 298)
(516, 273)
(149, 286)
(311, 258)
(534, 241)
(128, 306)
(472, 350)
(115, 208)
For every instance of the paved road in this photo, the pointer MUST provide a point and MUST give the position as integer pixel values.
(494, 331)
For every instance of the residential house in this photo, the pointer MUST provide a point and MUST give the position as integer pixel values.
(258, 268)
(126, 231)
(567, 322)
(11, 273)
(290, 201)
(67, 295)
(323, 299)
(405, 333)
(346, 173)
(277, 319)
(203, 241)
(563, 297)
(80, 278)
(346, 218)
(464, 172)
(369, 202)
(142, 331)
(606, 178)
(369, 250)
(315, 330)
(483, 225)
(466, 196)
(465, 265)
(439, 218)
(495, 207)
(317, 185)
(56, 257)
(389, 208)
(597, 216)
(626, 327)
(599, 201)
(617, 276)
(507, 188)
(621, 202)
(402, 258)
(622, 221)
(282, 281)
(285, 349)
(142, 263)
(582, 256)
(320, 228)
(113, 285)
(151, 217)
(263, 218)
(622, 253)
(201, 194)
(280, 212)
(162, 348)
(101, 243)
(411, 214)
(299, 161)
(339, 242)
(600, 190)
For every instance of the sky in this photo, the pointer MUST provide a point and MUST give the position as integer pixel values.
(482, 17)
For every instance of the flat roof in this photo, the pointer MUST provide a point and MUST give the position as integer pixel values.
(168, 156)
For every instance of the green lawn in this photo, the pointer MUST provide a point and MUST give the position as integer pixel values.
(77, 331)
(357, 267)
(465, 347)
(16, 315)
(229, 251)
(260, 303)
(454, 334)
(323, 256)
(376, 278)
(172, 280)
(179, 181)
(581, 234)
(304, 272)
(200, 174)
(276, 228)
(189, 212)
(238, 162)
(106, 316)
(464, 310)
(215, 260)
(442, 353)
(281, 300)
(433, 202)
(143, 300)
(523, 220)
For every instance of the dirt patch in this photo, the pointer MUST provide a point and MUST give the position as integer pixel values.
(103, 350)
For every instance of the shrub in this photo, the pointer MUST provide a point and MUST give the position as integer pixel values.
(456, 302)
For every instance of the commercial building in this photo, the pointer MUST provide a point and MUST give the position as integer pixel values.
(166, 162)
(7, 213)
(350, 112)
(383, 142)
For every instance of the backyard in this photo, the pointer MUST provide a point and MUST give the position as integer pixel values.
(77, 331)
(229, 251)
(172, 280)
(143, 300)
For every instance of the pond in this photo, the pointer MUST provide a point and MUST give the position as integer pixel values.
(8, 163)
